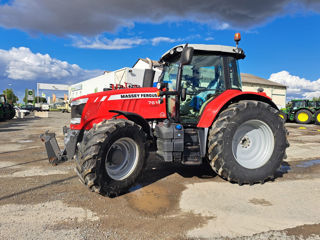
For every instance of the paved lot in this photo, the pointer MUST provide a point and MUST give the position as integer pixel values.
(38, 201)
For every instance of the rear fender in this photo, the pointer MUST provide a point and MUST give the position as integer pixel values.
(220, 103)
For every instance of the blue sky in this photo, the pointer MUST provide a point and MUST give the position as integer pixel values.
(42, 41)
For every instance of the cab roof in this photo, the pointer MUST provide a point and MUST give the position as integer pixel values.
(208, 48)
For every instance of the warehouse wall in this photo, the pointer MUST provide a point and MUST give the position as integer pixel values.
(278, 94)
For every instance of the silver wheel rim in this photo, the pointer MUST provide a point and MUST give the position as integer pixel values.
(253, 144)
(122, 158)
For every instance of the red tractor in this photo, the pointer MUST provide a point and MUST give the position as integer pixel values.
(197, 112)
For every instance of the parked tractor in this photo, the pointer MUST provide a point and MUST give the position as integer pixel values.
(7, 110)
(196, 113)
(315, 105)
(301, 111)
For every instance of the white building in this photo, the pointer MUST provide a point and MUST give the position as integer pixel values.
(276, 91)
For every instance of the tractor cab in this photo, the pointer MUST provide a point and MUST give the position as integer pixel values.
(315, 104)
(209, 71)
(2, 99)
(296, 104)
(2, 109)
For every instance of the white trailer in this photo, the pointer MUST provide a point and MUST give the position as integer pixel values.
(122, 77)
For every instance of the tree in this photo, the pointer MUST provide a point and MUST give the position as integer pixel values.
(316, 99)
(11, 97)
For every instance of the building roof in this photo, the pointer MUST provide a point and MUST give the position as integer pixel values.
(249, 78)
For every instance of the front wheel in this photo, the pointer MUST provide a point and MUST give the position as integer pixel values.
(303, 116)
(247, 143)
(283, 115)
(112, 156)
(317, 117)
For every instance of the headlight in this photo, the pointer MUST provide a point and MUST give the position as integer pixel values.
(159, 85)
(79, 101)
(77, 107)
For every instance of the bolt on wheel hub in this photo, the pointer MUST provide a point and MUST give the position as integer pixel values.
(245, 142)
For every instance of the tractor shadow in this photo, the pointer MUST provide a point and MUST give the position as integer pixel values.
(157, 170)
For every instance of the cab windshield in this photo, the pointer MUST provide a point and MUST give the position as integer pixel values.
(298, 104)
(206, 77)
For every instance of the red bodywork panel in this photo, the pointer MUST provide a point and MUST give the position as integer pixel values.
(213, 108)
(142, 101)
(145, 102)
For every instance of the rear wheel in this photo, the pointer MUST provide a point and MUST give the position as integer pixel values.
(247, 143)
(317, 117)
(111, 156)
(303, 116)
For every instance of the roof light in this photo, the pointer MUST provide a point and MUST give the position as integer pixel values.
(237, 38)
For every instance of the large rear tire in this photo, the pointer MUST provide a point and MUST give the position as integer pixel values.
(303, 116)
(111, 156)
(247, 143)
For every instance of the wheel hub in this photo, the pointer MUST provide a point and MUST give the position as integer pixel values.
(253, 144)
(115, 156)
(122, 158)
(303, 117)
(245, 142)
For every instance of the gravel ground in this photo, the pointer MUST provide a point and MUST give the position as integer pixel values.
(39, 201)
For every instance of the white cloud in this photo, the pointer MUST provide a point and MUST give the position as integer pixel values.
(297, 87)
(22, 64)
(100, 42)
(155, 41)
(106, 44)
(223, 26)
(209, 39)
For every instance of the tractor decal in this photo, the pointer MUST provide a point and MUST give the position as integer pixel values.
(133, 96)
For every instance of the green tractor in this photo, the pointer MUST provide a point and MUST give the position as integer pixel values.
(301, 111)
(315, 105)
(7, 110)
(2, 110)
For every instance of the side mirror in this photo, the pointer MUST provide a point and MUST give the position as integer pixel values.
(186, 56)
(183, 94)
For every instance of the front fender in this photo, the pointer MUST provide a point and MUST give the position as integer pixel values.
(221, 102)
(138, 119)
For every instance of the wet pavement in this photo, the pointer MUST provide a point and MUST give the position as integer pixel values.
(169, 202)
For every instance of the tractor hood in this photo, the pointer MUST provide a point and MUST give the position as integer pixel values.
(93, 108)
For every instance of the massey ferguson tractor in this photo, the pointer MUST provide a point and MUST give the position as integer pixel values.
(197, 113)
